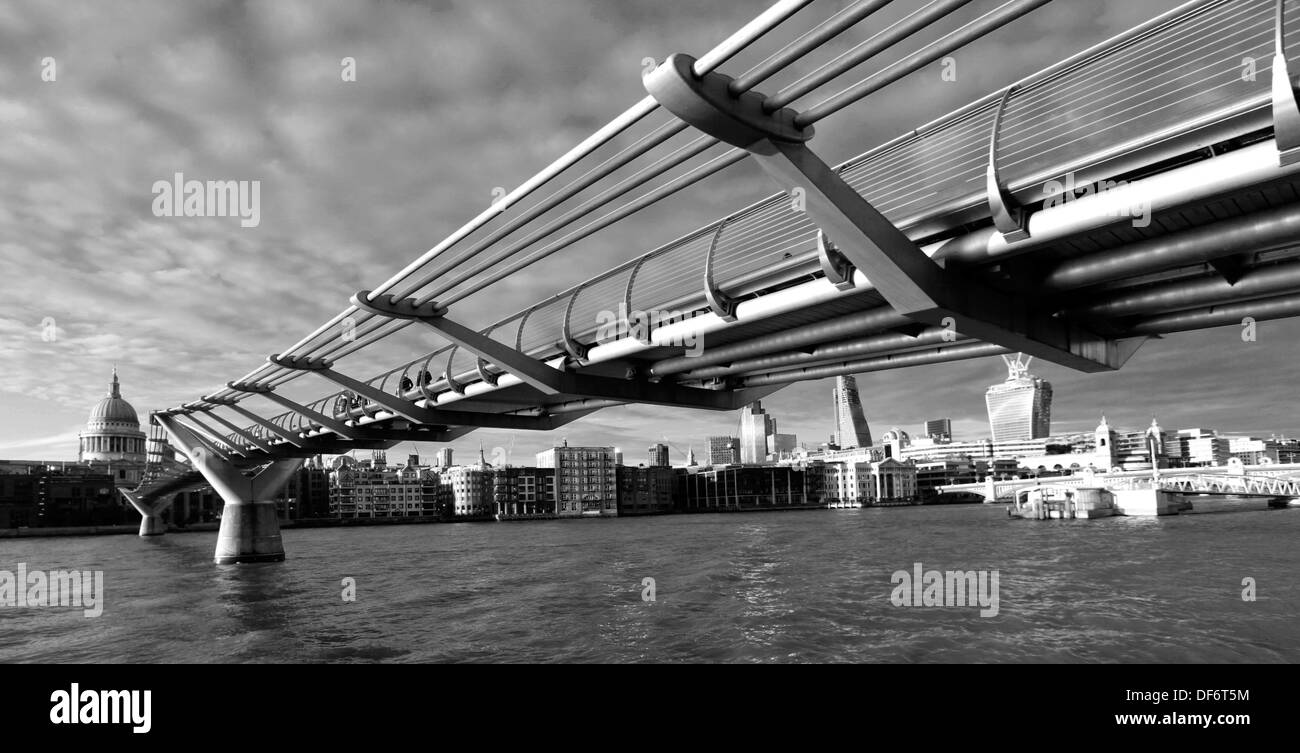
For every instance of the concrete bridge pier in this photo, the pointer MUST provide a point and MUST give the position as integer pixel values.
(151, 522)
(250, 528)
(152, 525)
(250, 532)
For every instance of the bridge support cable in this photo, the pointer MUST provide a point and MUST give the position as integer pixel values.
(810, 41)
(912, 283)
(861, 53)
(989, 22)
(690, 178)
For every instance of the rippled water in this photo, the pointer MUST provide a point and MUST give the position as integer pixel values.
(798, 586)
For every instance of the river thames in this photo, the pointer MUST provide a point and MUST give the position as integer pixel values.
(810, 586)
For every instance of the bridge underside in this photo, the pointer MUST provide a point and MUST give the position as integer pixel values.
(1223, 259)
(1074, 235)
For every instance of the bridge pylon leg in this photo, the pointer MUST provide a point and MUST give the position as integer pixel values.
(151, 522)
(152, 525)
(250, 528)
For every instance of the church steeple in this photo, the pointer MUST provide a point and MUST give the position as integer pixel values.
(114, 388)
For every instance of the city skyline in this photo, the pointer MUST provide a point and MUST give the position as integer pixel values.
(811, 417)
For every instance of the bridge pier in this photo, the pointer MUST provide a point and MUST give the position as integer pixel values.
(250, 532)
(250, 528)
(152, 525)
(151, 522)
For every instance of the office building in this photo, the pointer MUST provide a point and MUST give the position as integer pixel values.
(723, 451)
(647, 491)
(755, 428)
(1021, 406)
(586, 480)
(368, 490)
(939, 430)
(782, 446)
(523, 492)
(659, 456)
(40, 494)
(754, 487)
(851, 428)
(863, 484)
(1202, 448)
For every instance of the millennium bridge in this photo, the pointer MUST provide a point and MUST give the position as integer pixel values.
(1141, 187)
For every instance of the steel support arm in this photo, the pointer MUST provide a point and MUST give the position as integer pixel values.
(291, 437)
(409, 410)
(338, 427)
(911, 282)
(214, 435)
(203, 442)
(549, 380)
(531, 371)
(252, 439)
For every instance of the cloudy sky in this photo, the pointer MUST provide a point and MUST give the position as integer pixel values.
(452, 99)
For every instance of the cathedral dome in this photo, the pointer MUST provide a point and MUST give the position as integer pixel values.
(113, 433)
(113, 409)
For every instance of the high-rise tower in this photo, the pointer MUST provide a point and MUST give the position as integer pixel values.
(1020, 407)
(851, 428)
(755, 427)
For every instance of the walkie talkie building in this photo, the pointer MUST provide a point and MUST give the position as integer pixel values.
(1020, 407)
